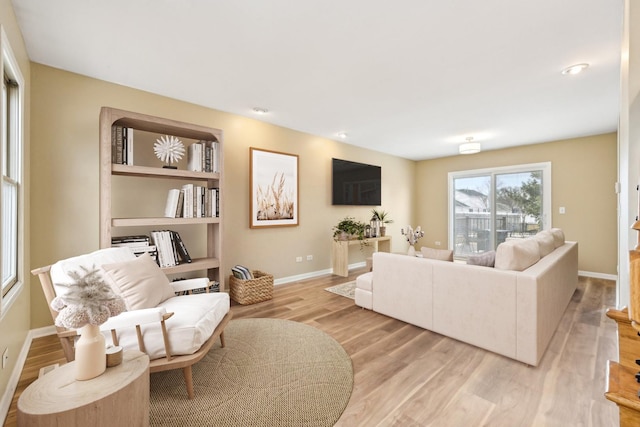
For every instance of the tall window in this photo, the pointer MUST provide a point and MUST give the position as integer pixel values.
(488, 206)
(11, 159)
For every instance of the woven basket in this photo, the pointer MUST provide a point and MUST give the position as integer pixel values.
(251, 291)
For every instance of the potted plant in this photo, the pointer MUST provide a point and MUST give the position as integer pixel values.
(383, 217)
(349, 228)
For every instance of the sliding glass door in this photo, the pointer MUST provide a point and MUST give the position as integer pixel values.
(489, 206)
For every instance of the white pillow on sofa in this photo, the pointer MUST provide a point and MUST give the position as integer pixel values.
(546, 242)
(517, 255)
(558, 236)
(439, 254)
(140, 282)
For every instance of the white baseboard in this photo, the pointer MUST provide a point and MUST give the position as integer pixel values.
(313, 274)
(598, 275)
(297, 277)
(5, 403)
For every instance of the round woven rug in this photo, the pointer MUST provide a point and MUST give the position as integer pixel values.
(272, 372)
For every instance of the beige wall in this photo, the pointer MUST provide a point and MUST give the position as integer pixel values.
(583, 174)
(14, 324)
(64, 167)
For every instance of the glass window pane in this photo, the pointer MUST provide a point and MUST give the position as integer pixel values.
(9, 234)
(518, 204)
(472, 206)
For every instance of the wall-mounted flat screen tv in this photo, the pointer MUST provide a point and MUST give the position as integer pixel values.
(355, 183)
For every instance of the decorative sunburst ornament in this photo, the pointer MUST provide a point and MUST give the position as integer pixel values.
(169, 149)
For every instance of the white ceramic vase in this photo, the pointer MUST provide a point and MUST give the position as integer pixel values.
(91, 360)
(412, 250)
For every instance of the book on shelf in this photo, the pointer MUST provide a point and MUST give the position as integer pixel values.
(171, 207)
(181, 248)
(130, 239)
(187, 211)
(204, 156)
(138, 244)
(121, 145)
(192, 201)
(170, 247)
(214, 286)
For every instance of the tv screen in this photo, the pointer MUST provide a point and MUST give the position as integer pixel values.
(355, 183)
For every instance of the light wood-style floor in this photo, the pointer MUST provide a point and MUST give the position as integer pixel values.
(407, 376)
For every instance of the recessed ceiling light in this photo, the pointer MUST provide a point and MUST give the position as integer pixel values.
(342, 135)
(469, 147)
(575, 69)
(259, 110)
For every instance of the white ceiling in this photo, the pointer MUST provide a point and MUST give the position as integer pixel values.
(412, 78)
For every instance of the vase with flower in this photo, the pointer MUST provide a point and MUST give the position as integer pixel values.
(87, 303)
(412, 237)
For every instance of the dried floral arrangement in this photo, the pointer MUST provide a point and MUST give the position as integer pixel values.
(89, 300)
(411, 235)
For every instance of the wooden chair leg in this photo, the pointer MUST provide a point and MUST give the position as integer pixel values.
(222, 339)
(188, 379)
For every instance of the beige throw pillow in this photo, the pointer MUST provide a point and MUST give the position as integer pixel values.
(439, 254)
(558, 237)
(140, 282)
(546, 242)
(517, 254)
(486, 259)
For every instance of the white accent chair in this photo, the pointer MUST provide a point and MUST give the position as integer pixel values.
(175, 331)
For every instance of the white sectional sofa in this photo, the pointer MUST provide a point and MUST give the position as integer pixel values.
(509, 312)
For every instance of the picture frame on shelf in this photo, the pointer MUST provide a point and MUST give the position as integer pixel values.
(274, 182)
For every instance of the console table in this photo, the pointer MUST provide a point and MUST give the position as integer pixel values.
(340, 252)
(622, 387)
(118, 397)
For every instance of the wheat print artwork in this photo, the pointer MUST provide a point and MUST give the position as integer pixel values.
(274, 189)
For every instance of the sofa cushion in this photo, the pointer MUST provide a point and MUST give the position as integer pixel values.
(486, 259)
(517, 255)
(439, 254)
(558, 237)
(546, 242)
(140, 282)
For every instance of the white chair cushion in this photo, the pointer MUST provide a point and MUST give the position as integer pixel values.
(140, 282)
(194, 320)
(60, 270)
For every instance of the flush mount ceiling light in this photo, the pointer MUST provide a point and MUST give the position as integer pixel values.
(575, 69)
(259, 110)
(469, 147)
(342, 135)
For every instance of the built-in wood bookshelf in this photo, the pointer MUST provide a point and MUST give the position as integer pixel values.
(211, 262)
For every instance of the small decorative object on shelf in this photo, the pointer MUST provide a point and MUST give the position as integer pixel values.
(87, 304)
(412, 237)
(169, 149)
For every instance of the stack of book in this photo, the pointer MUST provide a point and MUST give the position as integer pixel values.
(213, 286)
(138, 244)
(121, 145)
(193, 201)
(171, 248)
(204, 156)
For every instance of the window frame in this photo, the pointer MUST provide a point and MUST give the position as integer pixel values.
(545, 167)
(13, 166)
